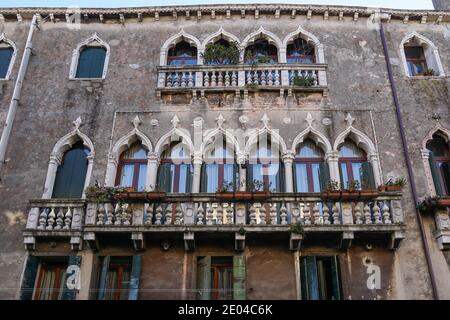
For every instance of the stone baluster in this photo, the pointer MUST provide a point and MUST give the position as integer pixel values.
(176, 80)
(109, 214)
(234, 78)
(220, 79)
(283, 214)
(51, 219)
(209, 215)
(206, 79)
(270, 77)
(191, 79)
(262, 214)
(256, 77)
(68, 219)
(273, 214)
(59, 219)
(227, 79)
(149, 218)
(326, 213)
(213, 79)
(42, 219)
(168, 214)
(386, 213)
(183, 79)
(118, 214)
(200, 214)
(367, 216)
(358, 214)
(178, 214)
(306, 214)
(316, 213)
(335, 210)
(264, 78)
(252, 214)
(229, 212)
(158, 215)
(126, 214)
(295, 212)
(377, 213)
(219, 214)
(100, 214)
(168, 80)
(277, 78)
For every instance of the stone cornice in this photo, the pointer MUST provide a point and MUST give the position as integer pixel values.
(198, 11)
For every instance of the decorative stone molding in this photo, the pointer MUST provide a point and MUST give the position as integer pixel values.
(313, 134)
(173, 40)
(62, 146)
(319, 53)
(269, 36)
(221, 33)
(430, 50)
(94, 40)
(4, 42)
(175, 134)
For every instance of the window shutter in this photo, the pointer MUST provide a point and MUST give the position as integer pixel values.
(204, 278)
(367, 179)
(91, 62)
(103, 276)
(309, 277)
(70, 294)
(29, 278)
(281, 181)
(189, 174)
(324, 175)
(134, 278)
(249, 173)
(5, 60)
(164, 177)
(203, 179)
(239, 291)
(435, 174)
(236, 177)
(335, 278)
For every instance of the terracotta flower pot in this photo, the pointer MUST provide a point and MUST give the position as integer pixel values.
(155, 196)
(243, 196)
(137, 195)
(225, 195)
(261, 195)
(367, 194)
(331, 194)
(393, 188)
(444, 202)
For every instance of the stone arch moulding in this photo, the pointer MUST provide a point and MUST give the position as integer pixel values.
(94, 40)
(274, 136)
(229, 136)
(120, 146)
(175, 134)
(318, 47)
(61, 147)
(443, 132)
(269, 36)
(315, 136)
(365, 143)
(10, 43)
(430, 50)
(173, 40)
(221, 33)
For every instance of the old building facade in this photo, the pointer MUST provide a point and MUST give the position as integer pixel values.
(230, 164)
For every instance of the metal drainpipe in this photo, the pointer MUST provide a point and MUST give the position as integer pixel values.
(408, 162)
(16, 94)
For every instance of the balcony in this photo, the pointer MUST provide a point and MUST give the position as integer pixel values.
(242, 78)
(442, 220)
(300, 218)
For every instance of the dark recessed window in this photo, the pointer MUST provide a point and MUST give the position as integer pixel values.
(91, 62)
(182, 54)
(261, 51)
(415, 58)
(320, 278)
(5, 60)
(300, 51)
(439, 159)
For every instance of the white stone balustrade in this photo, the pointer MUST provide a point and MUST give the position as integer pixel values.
(55, 215)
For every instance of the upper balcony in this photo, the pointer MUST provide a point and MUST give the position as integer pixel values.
(299, 217)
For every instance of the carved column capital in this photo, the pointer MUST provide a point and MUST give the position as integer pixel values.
(425, 154)
(288, 157)
(153, 157)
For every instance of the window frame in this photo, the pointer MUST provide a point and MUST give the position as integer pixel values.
(309, 161)
(83, 48)
(60, 267)
(136, 170)
(177, 168)
(12, 45)
(410, 61)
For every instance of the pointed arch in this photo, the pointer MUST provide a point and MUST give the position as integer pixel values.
(175, 134)
(60, 148)
(316, 136)
(274, 136)
(221, 33)
(300, 32)
(431, 52)
(173, 40)
(229, 136)
(269, 36)
(5, 42)
(438, 129)
(93, 40)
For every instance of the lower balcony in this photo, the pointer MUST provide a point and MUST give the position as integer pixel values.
(300, 218)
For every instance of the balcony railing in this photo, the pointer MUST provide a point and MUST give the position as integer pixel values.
(240, 77)
(442, 221)
(204, 212)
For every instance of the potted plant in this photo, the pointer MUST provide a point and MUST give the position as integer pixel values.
(394, 185)
(303, 81)
(428, 72)
(156, 194)
(332, 191)
(226, 191)
(444, 202)
(219, 54)
(429, 204)
(259, 190)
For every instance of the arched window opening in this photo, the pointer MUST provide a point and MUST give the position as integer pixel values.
(220, 171)
(175, 171)
(221, 52)
(310, 170)
(182, 54)
(415, 58)
(71, 173)
(91, 62)
(261, 51)
(6, 54)
(132, 168)
(300, 51)
(354, 166)
(265, 171)
(439, 158)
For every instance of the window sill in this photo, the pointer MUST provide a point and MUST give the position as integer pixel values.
(425, 77)
(88, 79)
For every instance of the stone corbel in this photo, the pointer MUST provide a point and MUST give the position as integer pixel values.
(239, 241)
(138, 241)
(396, 238)
(189, 241)
(295, 241)
(76, 243)
(346, 239)
(91, 241)
(29, 242)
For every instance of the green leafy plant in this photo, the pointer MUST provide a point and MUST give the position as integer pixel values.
(333, 185)
(353, 185)
(428, 72)
(218, 53)
(102, 193)
(253, 86)
(258, 185)
(303, 81)
(254, 59)
(428, 205)
(226, 187)
(398, 182)
(297, 228)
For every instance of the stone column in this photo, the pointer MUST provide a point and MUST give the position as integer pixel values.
(55, 161)
(241, 161)
(288, 159)
(87, 180)
(428, 174)
(373, 158)
(197, 163)
(111, 170)
(332, 158)
(152, 171)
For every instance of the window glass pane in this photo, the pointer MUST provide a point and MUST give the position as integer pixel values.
(257, 175)
(357, 171)
(350, 149)
(301, 177)
(136, 151)
(228, 173)
(413, 52)
(182, 54)
(438, 146)
(126, 179)
(91, 62)
(142, 176)
(212, 177)
(445, 174)
(125, 284)
(183, 178)
(48, 282)
(309, 150)
(300, 51)
(5, 59)
(316, 175)
(61, 284)
(172, 178)
(344, 175)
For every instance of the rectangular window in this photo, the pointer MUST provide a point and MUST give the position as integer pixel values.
(415, 59)
(320, 279)
(50, 281)
(117, 278)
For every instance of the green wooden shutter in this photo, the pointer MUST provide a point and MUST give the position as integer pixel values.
(236, 177)
(103, 276)
(91, 62)
(70, 294)
(335, 278)
(249, 173)
(367, 179)
(324, 175)
(164, 177)
(281, 181)
(309, 278)
(29, 278)
(5, 60)
(189, 175)
(204, 278)
(435, 174)
(134, 278)
(203, 179)
(239, 291)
